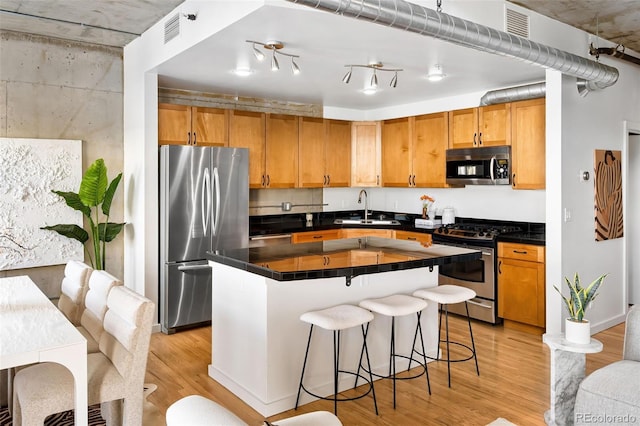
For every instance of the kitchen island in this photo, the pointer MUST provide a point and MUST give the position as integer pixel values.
(258, 340)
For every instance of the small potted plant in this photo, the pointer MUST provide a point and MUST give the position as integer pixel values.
(577, 328)
(427, 201)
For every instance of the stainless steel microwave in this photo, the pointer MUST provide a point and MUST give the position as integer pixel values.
(479, 166)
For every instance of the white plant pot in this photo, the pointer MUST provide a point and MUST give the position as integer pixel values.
(577, 332)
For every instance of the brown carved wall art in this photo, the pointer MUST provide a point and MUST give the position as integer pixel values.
(608, 194)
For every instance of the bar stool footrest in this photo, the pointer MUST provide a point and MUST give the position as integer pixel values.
(456, 359)
(335, 397)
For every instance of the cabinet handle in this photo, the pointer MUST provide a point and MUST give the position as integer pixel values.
(268, 180)
(411, 238)
(480, 139)
(474, 139)
(500, 267)
(195, 140)
(409, 180)
(377, 179)
(520, 252)
(414, 180)
(513, 181)
(328, 180)
(263, 181)
(188, 138)
(317, 236)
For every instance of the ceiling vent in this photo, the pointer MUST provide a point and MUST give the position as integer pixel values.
(172, 28)
(516, 23)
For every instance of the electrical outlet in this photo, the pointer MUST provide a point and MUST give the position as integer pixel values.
(567, 215)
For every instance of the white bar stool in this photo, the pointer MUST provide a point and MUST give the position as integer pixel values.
(394, 306)
(446, 295)
(336, 319)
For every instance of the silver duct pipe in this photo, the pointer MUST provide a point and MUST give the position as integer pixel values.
(418, 19)
(512, 94)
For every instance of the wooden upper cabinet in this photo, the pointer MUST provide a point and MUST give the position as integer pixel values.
(337, 153)
(528, 144)
(174, 124)
(247, 130)
(210, 126)
(281, 151)
(477, 127)
(430, 139)
(324, 150)
(187, 125)
(396, 152)
(366, 153)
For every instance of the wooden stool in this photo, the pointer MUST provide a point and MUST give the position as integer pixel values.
(336, 319)
(446, 295)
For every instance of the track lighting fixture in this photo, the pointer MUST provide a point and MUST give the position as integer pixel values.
(275, 47)
(436, 73)
(375, 66)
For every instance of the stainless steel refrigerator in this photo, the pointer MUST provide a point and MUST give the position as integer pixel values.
(204, 206)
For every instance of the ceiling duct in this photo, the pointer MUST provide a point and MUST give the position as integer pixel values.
(512, 94)
(410, 17)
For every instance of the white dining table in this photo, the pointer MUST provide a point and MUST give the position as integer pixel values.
(33, 330)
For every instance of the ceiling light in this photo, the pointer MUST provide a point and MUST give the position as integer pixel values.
(436, 74)
(258, 54)
(373, 83)
(394, 80)
(295, 69)
(371, 90)
(242, 72)
(347, 76)
(275, 47)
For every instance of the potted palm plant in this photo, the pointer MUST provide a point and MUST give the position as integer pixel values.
(95, 195)
(577, 328)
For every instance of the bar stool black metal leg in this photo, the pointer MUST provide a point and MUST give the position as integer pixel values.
(473, 344)
(365, 331)
(366, 351)
(424, 353)
(392, 358)
(446, 321)
(304, 365)
(336, 362)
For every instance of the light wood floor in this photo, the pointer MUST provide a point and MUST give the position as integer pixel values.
(513, 382)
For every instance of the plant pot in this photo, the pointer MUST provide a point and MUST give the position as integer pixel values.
(424, 212)
(577, 332)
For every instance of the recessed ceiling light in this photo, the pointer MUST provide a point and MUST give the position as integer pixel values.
(436, 74)
(243, 72)
(371, 90)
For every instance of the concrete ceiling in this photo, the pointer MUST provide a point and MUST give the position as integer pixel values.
(323, 53)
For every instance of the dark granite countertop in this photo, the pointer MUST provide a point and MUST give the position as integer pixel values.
(524, 238)
(339, 258)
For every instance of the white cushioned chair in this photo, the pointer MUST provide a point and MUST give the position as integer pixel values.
(611, 394)
(115, 374)
(95, 307)
(73, 290)
(196, 410)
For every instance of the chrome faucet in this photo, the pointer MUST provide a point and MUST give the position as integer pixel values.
(366, 208)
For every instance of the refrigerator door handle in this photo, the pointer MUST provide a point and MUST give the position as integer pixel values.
(194, 268)
(216, 185)
(206, 200)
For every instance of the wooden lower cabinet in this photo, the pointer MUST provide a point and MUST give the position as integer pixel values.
(521, 286)
(413, 236)
(315, 236)
(282, 265)
(363, 232)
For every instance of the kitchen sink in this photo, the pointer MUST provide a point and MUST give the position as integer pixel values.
(366, 222)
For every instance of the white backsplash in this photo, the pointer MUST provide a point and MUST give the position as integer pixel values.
(263, 202)
(478, 201)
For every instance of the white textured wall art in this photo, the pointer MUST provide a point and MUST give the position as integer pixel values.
(29, 170)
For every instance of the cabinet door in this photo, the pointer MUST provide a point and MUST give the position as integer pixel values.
(311, 150)
(174, 124)
(210, 126)
(463, 128)
(282, 151)
(246, 130)
(365, 159)
(494, 125)
(396, 154)
(528, 144)
(414, 236)
(337, 154)
(521, 292)
(315, 236)
(430, 142)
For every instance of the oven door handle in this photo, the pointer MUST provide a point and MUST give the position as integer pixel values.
(480, 304)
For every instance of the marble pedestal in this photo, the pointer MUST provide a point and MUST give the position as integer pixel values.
(567, 371)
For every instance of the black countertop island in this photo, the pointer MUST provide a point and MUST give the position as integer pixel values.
(340, 258)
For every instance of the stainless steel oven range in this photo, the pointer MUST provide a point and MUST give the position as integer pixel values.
(478, 275)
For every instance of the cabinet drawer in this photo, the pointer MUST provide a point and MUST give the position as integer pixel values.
(360, 233)
(315, 236)
(413, 236)
(519, 251)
